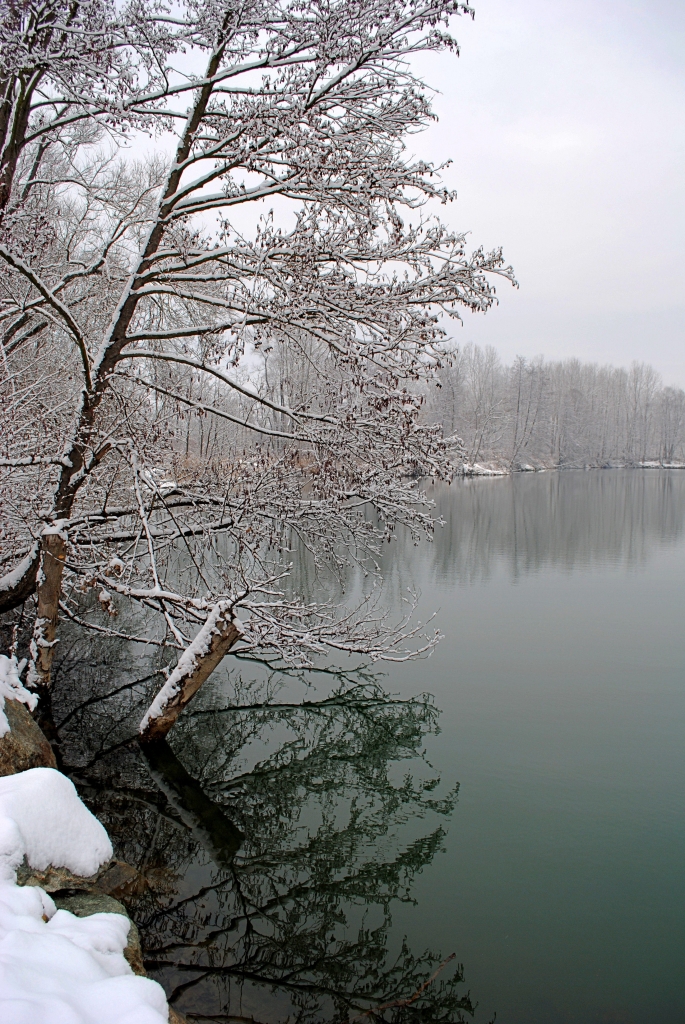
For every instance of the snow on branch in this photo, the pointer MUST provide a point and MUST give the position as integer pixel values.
(244, 408)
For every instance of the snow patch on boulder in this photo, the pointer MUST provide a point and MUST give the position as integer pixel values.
(52, 824)
(55, 966)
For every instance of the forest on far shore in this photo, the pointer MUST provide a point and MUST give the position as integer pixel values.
(547, 414)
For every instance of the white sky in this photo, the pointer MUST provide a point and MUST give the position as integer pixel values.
(566, 123)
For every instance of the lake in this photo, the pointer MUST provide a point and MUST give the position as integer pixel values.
(302, 864)
(562, 684)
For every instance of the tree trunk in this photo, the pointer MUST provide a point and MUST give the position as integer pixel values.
(53, 554)
(195, 665)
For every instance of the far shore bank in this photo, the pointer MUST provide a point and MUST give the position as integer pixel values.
(489, 469)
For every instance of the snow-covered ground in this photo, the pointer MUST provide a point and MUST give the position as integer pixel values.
(56, 968)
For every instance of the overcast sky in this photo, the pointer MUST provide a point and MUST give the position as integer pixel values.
(565, 121)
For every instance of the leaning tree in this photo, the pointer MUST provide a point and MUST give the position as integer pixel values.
(222, 285)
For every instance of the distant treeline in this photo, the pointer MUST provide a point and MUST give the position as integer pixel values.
(567, 414)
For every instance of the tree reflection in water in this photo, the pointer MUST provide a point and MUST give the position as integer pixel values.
(273, 840)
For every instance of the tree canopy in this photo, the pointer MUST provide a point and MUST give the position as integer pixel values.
(210, 353)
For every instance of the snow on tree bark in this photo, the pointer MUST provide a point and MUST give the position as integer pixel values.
(216, 637)
(18, 584)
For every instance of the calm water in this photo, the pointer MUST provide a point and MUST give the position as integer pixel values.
(555, 874)
(562, 682)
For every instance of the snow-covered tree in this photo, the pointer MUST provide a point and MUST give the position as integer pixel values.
(557, 414)
(210, 356)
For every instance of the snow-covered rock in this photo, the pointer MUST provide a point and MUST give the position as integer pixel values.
(49, 823)
(55, 967)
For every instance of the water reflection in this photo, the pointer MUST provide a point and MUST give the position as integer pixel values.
(270, 872)
(280, 837)
(569, 520)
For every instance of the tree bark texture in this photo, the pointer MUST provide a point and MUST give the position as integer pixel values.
(53, 555)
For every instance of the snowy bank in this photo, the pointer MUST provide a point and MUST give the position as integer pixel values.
(483, 469)
(56, 968)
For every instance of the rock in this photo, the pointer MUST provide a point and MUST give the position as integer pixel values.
(117, 878)
(94, 895)
(83, 904)
(24, 746)
(53, 879)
